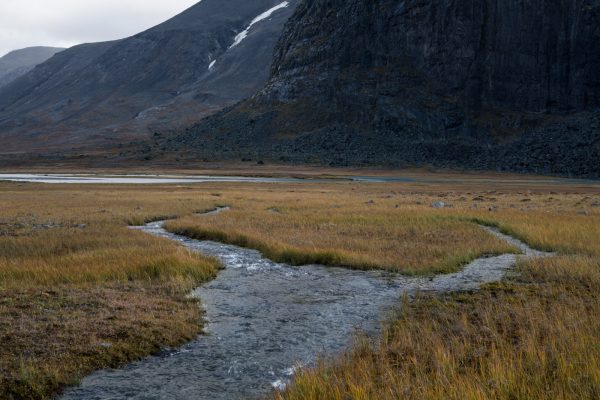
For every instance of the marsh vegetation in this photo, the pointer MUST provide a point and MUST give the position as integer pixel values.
(80, 291)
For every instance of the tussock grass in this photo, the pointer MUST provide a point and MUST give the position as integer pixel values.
(340, 228)
(80, 291)
(563, 232)
(53, 336)
(535, 337)
(98, 255)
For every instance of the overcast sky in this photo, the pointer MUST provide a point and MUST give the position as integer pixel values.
(64, 23)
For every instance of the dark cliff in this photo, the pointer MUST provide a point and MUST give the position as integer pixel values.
(535, 55)
(485, 84)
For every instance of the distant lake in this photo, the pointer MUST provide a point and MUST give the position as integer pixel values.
(188, 179)
(141, 179)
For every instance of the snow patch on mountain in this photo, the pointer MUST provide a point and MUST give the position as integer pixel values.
(244, 34)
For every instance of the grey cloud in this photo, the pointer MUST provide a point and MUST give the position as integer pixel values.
(64, 23)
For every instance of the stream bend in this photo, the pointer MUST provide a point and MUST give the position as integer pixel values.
(266, 319)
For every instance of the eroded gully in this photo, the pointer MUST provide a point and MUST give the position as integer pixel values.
(266, 319)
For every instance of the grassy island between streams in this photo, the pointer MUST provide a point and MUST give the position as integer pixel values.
(80, 291)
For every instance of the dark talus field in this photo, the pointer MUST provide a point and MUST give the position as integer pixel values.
(104, 94)
(502, 85)
(17, 63)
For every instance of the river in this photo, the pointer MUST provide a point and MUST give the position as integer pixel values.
(265, 319)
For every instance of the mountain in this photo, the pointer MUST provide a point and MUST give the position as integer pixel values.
(101, 95)
(496, 84)
(19, 62)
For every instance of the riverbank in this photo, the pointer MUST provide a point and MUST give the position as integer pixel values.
(79, 291)
(533, 336)
(267, 319)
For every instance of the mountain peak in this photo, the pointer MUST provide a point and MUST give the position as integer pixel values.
(103, 94)
(18, 62)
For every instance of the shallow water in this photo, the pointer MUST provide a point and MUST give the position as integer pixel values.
(141, 179)
(189, 179)
(265, 319)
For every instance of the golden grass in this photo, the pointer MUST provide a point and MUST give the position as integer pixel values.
(563, 232)
(534, 336)
(537, 337)
(80, 291)
(53, 235)
(53, 336)
(96, 256)
(348, 228)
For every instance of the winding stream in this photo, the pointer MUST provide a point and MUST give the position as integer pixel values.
(265, 319)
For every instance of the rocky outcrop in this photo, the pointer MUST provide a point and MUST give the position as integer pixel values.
(485, 84)
(538, 55)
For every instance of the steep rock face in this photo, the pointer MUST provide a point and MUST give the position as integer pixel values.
(492, 84)
(104, 94)
(17, 63)
(534, 55)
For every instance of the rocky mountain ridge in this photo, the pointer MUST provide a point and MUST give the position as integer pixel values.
(102, 95)
(17, 63)
(495, 84)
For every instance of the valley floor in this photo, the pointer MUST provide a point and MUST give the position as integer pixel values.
(80, 291)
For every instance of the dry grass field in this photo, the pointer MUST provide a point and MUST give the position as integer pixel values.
(534, 336)
(80, 291)
(357, 226)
